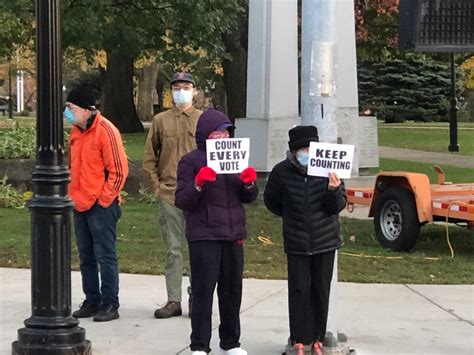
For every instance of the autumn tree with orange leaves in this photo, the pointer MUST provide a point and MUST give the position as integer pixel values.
(376, 28)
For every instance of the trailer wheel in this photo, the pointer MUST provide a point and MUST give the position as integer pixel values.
(396, 220)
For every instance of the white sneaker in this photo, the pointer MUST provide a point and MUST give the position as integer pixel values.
(234, 351)
(198, 353)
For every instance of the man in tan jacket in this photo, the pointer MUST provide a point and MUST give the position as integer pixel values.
(172, 135)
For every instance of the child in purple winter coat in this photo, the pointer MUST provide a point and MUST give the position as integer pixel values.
(215, 230)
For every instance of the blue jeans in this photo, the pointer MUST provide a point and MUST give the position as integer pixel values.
(95, 237)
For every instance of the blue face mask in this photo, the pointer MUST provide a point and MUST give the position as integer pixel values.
(182, 97)
(302, 158)
(69, 116)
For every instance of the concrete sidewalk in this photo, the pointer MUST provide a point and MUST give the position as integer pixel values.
(378, 319)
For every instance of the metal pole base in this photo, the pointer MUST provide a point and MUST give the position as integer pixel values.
(34, 341)
(453, 148)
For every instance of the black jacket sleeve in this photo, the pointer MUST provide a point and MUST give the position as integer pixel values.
(335, 200)
(272, 196)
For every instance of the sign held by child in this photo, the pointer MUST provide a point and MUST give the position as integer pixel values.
(228, 155)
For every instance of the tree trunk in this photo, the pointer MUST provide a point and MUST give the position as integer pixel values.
(160, 87)
(146, 88)
(235, 69)
(219, 98)
(235, 79)
(118, 105)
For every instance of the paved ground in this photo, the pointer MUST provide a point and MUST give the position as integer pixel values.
(463, 161)
(378, 319)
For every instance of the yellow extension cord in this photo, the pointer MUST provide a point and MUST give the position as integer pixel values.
(447, 225)
(268, 241)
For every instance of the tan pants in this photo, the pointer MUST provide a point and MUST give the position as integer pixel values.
(172, 228)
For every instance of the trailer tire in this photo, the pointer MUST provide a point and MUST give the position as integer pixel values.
(396, 220)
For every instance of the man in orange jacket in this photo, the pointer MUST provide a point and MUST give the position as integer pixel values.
(99, 168)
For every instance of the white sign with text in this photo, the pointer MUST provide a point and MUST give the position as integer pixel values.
(326, 157)
(229, 155)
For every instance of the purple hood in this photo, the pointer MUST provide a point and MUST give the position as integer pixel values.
(208, 122)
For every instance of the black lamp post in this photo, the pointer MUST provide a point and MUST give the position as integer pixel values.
(51, 329)
(453, 111)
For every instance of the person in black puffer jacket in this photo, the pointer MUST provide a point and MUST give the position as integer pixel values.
(309, 207)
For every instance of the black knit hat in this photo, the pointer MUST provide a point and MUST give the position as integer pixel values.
(82, 96)
(300, 136)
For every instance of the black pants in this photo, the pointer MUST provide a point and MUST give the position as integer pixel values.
(309, 283)
(221, 263)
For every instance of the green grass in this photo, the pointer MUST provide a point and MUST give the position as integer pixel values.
(141, 248)
(134, 145)
(429, 263)
(427, 138)
(381, 123)
(453, 174)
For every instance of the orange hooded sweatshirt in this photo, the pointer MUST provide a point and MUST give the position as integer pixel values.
(98, 164)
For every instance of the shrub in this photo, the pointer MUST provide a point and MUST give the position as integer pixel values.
(17, 143)
(20, 142)
(11, 197)
(147, 196)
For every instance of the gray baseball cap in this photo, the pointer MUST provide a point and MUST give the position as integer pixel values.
(182, 76)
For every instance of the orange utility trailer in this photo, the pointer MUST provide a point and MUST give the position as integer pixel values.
(402, 202)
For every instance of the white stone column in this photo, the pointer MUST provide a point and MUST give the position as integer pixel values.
(347, 97)
(272, 81)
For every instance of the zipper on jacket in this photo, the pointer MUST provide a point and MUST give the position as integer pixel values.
(308, 226)
(178, 138)
(231, 222)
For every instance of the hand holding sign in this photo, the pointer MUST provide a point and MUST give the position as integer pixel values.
(204, 175)
(249, 175)
(334, 181)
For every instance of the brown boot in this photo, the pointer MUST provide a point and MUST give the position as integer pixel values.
(170, 309)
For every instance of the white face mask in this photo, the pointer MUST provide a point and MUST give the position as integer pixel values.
(182, 97)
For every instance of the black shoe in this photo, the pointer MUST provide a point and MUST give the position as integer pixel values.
(106, 313)
(86, 310)
(190, 305)
(170, 309)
